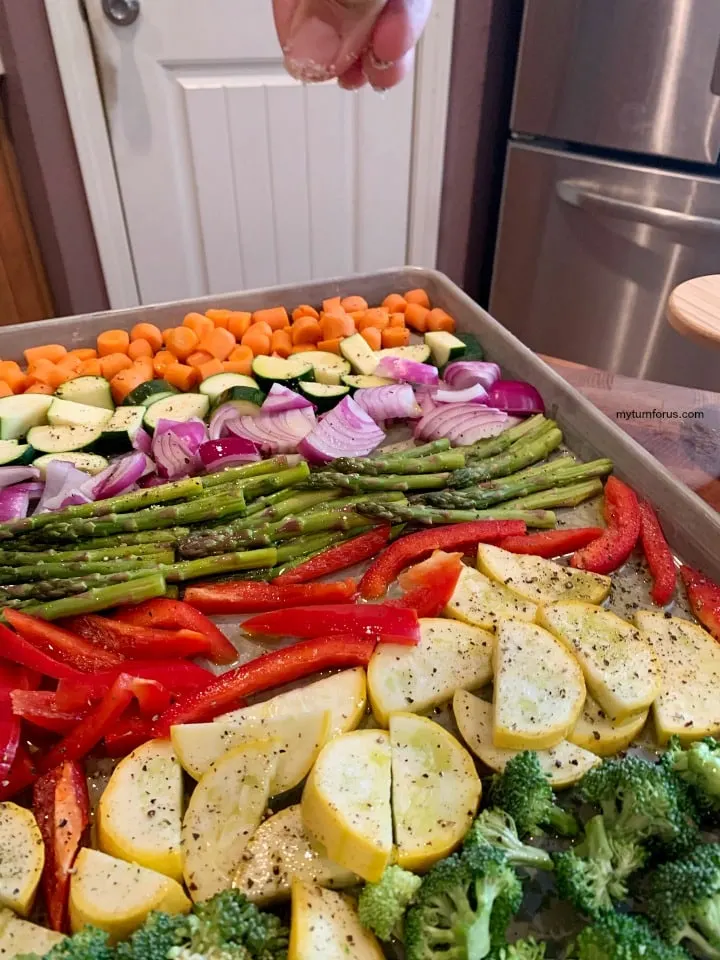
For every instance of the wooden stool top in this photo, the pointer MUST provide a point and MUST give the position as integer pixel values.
(694, 309)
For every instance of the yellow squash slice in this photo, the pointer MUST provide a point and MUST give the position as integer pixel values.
(325, 926)
(596, 732)
(22, 856)
(481, 602)
(21, 938)
(540, 580)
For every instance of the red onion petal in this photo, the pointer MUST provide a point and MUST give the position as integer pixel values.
(474, 394)
(281, 398)
(346, 431)
(142, 441)
(173, 456)
(63, 484)
(11, 475)
(516, 397)
(409, 371)
(219, 419)
(388, 402)
(14, 502)
(192, 432)
(466, 373)
(228, 452)
(119, 477)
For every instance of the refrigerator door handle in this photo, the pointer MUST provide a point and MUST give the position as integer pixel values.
(586, 196)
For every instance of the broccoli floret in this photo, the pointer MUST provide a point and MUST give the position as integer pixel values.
(641, 803)
(523, 791)
(496, 828)
(382, 905)
(619, 936)
(528, 949)
(88, 944)
(683, 900)
(699, 768)
(229, 927)
(594, 873)
(155, 938)
(463, 907)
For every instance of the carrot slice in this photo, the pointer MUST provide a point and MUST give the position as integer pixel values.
(275, 317)
(331, 304)
(397, 320)
(418, 296)
(6, 389)
(201, 324)
(162, 361)
(210, 368)
(395, 337)
(112, 341)
(395, 302)
(334, 328)
(35, 388)
(258, 340)
(416, 317)
(145, 366)
(330, 346)
(183, 341)
(281, 343)
(305, 310)
(126, 380)
(181, 376)
(113, 363)
(219, 344)
(372, 336)
(354, 303)
(303, 348)
(377, 317)
(57, 376)
(220, 318)
(83, 353)
(90, 368)
(237, 366)
(239, 323)
(306, 330)
(140, 348)
(12, 375)
(438, 319)
(149, 332)
(198, 357)
(51, 351)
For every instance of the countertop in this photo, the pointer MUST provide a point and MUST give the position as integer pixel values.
(687, 443)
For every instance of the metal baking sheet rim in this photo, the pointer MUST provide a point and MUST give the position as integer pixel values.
(693, 527)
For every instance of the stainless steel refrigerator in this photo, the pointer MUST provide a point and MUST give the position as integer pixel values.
(612, 184)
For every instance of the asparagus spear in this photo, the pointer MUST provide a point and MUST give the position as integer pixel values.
(425, 450)
(102, 598)
(233, 474)
(363, 484)
(57, 571)
(395, 513)
(435, 463)
(518, 485)
(269, 501)
(570, 496)
(495, 445)
(144, 537)
(186, 489)
(42, 591)
(17, 558)
(261, 486)
(225, 563)
(518, 456)
(390, 496)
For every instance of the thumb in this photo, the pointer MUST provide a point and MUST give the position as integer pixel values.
(326, 36)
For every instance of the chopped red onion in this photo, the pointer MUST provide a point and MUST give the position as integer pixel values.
(346, 431)
(389, 402)
(516, 397)
(274, 432)
(173, 456)
(457, 421)
(408, 371)
(120, 476)
(474, 394)
(142, 441)
(465, 373)
(219, 420)
(11, 475)
(228, 452)
(33, 488)
(193, 431)
(14, 502)
(64, 487)
(280, 399)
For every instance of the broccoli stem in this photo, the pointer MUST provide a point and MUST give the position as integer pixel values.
(562, 821)
(699, 941)
(478, 931)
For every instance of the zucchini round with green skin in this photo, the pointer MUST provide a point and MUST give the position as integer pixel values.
(473, 350)
(357, 352)
(93, 391)
(67, 413)
(328, 367)
(246, 400)
(221, 382)
(179, 407)
(444, 347)
(120, 430)
(270, 370)
(419, 352)
(16, 454)
(22, 413)
(63, 438)
(148, 392)
(324, 395)
(359, 382)
(90, 463)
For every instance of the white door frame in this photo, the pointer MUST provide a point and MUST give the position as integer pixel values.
(81, 86)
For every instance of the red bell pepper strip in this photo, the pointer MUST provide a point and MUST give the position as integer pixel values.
(127, 734)
(11, 677)
(61, 644)
(704, 596)
(273, 669)
(41, 708)
(430, 585)
(20, 651)
(132, 641)
(418, 546)
(551, 543)
(178, 676)
(658, 555)
(617, 542)
(21, 775)
(253, 596)
(62, 809)
(344, 555)
(93, 727)
(170, 614)
(378, 620)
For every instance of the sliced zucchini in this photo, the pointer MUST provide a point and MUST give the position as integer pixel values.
(444, 347)
(419, 352)
(120, 430)
(94, 391)
(20, 414)
(12, 452)
(246, 400)
(324, 395)
(361, 358)
(63, 438)
(270, 370)
(66, 413)
(221, 382)
(328, 367)
(179, 407)
(473, 350)
(148, 392)
(89, 462)
(359, 382)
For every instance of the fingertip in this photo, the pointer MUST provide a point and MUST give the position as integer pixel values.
(398, 29)
(387, 75)
(354, 77)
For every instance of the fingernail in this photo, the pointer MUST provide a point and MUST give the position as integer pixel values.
(312, 49)
(378, 64)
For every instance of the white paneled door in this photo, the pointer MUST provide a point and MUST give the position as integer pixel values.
(232, 174)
